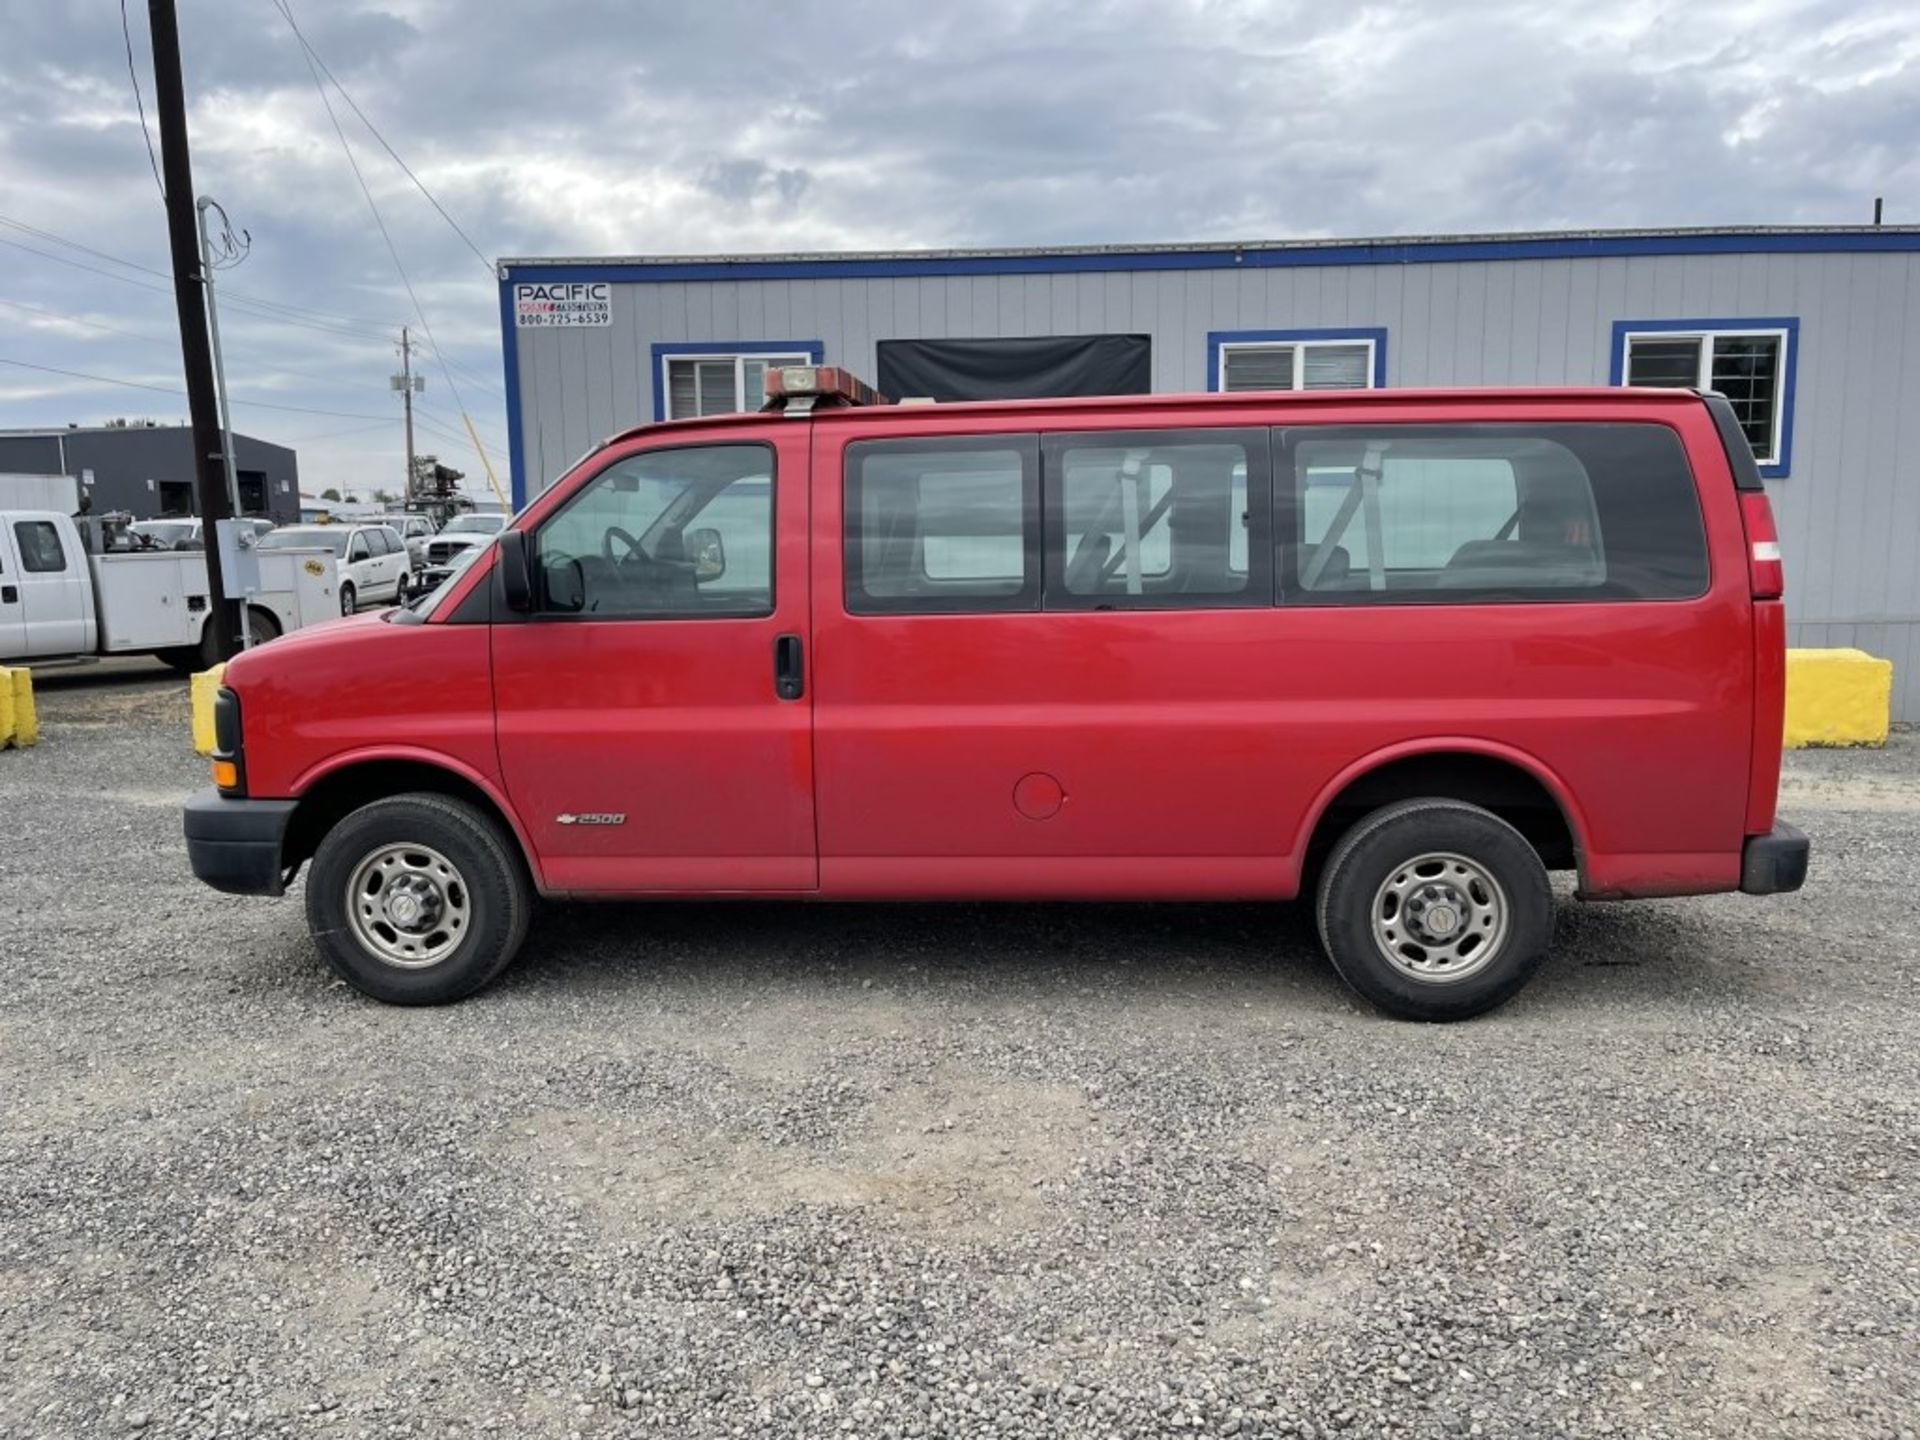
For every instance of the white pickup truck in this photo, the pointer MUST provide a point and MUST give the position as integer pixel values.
(65, 594)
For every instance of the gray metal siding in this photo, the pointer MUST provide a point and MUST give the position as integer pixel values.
(1849, 512)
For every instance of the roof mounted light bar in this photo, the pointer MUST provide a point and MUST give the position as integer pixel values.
(797, 389)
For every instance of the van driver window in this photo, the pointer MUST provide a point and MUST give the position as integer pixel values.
(683, 533)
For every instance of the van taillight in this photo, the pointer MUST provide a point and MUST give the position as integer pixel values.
(1763, 546)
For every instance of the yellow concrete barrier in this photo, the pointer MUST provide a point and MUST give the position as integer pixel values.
(19, 723)
(1837, 697)
(206, 684)
(26, 719)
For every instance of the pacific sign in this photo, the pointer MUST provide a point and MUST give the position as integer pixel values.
(580, 302)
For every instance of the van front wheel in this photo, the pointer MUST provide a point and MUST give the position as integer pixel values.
(1435, 909)
(418, 899)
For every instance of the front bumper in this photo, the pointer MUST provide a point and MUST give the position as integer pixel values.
(1776, 863)
(235, 844)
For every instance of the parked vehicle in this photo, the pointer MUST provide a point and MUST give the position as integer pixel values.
(415, 530)
(373, 559)
(1404, 653)
(426, 581)
(460, 532)
(66, 592)
(182, 534)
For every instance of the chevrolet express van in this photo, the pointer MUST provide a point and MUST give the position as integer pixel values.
(1403, 652)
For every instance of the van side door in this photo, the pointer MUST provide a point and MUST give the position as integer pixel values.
(654, 710)
(1047, 666)
(53, 585)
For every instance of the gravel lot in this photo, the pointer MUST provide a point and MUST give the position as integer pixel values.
(772, 1170)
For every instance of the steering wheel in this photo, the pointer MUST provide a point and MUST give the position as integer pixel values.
(614, 532)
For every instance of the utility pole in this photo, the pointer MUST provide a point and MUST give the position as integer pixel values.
(201, 206)
(170, 104)
(406, 382)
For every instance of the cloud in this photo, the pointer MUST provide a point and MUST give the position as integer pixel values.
(600, 126)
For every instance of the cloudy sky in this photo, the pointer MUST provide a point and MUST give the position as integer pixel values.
(638, 127)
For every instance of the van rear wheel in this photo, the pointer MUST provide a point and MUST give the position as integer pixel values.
(418, 900)
(1435, 909)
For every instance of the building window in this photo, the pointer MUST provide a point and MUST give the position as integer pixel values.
(1240, 360)
(691, 380)
(1751, 362)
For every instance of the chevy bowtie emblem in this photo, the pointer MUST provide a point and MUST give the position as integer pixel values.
(600, 819)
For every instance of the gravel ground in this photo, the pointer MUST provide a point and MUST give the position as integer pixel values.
(773, 1170)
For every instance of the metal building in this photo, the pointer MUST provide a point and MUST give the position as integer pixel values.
(149, 469)
(1807, 329)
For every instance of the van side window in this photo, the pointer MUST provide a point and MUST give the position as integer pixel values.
(946, 525)
(1156, 519)
(684, 533)
(1473, 513)
(40, 550)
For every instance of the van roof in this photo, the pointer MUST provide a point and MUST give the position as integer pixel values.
(1137, 405)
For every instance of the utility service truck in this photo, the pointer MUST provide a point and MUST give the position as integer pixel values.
(74, 588)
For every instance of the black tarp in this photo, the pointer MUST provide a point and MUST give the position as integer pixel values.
(1023, 368)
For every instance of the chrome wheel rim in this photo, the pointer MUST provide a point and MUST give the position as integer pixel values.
(408, 906)
(346, 602)
(1440, 918)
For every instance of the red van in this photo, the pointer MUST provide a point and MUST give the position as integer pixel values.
(1409, 650)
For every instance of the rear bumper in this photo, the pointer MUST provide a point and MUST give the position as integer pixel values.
(235, 844)
(1775, 863)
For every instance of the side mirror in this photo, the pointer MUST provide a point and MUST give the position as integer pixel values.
(566, 585)
(516, 580)
(707, 552)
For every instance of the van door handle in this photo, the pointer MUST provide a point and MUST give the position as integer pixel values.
(789, 668)
(9, 595)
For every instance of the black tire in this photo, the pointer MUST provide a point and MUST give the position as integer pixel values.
(496, 895)
(1383, 847)
(349, 603)
(204, 657)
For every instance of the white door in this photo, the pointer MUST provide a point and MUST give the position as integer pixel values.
(13, 614)
(393, 564)
(53, 586)
(359, 567)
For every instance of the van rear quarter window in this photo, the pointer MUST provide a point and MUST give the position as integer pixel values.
(1476, 513)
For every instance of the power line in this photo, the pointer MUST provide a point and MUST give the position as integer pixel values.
(251, 308)
(313, 58)
(242, 353)
(83, 320)
(170, 390)
(338, 434)
(373, 206)
(102, 379)
(126, 34)
(452, 422)
(345, 323)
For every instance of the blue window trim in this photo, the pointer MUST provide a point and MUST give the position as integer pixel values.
(1216, 338)
(812, 349)
(510, 364)
(1782, 464)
